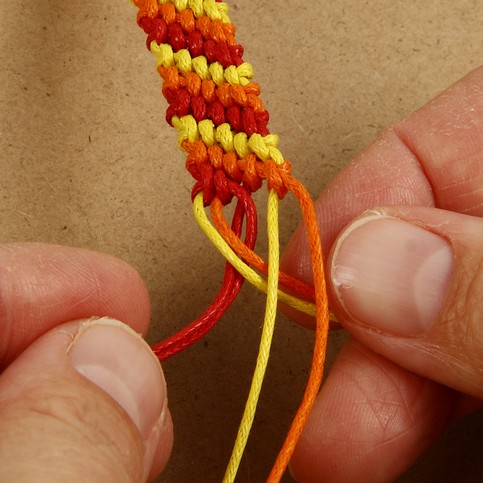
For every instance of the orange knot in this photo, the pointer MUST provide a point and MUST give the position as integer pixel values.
(147, 8)
(239, 170)
(204, 161)
(276, 174)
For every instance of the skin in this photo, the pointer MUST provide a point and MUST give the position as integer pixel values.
(388, 398)
(405, 391)
(55, 424)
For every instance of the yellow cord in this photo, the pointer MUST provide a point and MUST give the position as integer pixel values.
(185, 66)
(211, 8)
(247, 272)
(265, 342)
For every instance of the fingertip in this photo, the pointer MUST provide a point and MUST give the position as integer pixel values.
(406, 281)
(116, 359)
(295, 259)
(85, 381)
(370, 421)
(159, 447)
(122, 292)
(46, 285)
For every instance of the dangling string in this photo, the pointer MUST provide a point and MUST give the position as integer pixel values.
(237, 262)
(222, 126)
(296, 287)
(321, 331)
(265, 342)
(232, 283)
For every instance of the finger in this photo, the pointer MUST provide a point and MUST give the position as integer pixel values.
(408, 283)
(45, 285)
(389, 172)
(431, 159)
(370, 422)
(86, 402)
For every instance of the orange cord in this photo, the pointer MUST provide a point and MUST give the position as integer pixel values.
(321, 330)
(239, 105)
(322, 307)
(296, 287)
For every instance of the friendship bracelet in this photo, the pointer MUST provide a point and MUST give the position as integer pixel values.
(222, 126)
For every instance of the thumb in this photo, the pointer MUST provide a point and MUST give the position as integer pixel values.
(408, 283)
(85, 402)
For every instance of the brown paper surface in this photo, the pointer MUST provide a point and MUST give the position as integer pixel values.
(86, 159)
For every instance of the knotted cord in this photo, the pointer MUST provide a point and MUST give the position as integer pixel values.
(222, 125)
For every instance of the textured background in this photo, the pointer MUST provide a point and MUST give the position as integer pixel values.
(87, 160)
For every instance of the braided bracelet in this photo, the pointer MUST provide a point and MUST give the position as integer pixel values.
(222, 125)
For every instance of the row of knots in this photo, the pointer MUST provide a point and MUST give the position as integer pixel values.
(203, 162)
(183, 61)
(241, 119)
(211, 100)
(215, 50)
(238, 105)
(214, 9)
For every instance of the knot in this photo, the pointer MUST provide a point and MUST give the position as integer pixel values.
(216, 29)
(147, 9)
(206, 165)
(239, 74)
(251, 178)
(249, 170)
(275, 175)
(168, 12)
(265, 147)
(213, 183)
(187, 127)
(179, 104)
(176, 37)
(223, 53)
(216, 10)
(156, 28)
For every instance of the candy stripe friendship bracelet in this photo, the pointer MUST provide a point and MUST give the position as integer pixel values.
(222, 125)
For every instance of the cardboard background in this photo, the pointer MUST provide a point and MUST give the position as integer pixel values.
(86, 159)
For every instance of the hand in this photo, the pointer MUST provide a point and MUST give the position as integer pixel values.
(406, 280)
(79, 401)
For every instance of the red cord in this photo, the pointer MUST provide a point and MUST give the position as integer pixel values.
(232, 280)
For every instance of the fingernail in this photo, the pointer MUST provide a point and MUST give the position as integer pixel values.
(292, 475)
(391, 275)
(120, 362)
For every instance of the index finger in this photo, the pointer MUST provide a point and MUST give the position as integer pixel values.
(42, 286)
(433, 158)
